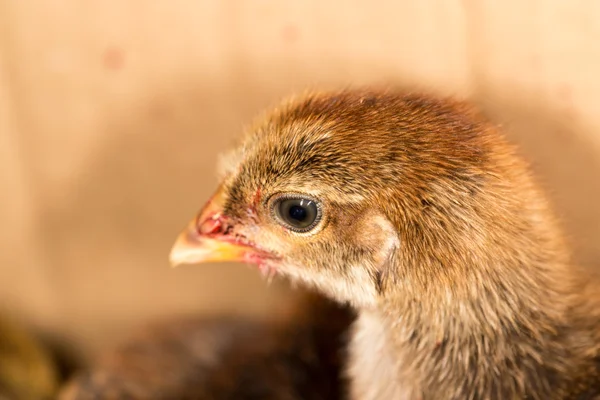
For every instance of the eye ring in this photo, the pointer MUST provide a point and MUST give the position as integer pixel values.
(299, 213)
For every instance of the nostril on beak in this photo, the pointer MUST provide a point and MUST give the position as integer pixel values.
(211, 225)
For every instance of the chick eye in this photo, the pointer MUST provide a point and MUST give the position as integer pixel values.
(299, 214)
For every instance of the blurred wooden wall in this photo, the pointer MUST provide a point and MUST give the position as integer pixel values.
(112, 114)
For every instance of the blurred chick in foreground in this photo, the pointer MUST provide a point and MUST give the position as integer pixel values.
(28, 370)
(415, 212)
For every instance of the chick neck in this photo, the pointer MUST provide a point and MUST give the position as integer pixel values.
(495, 326)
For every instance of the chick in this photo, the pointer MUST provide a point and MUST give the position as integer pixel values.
(28, 370)
(295, 356)
(416, 212)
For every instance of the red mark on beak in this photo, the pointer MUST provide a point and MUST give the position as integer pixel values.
(211, 221)
(212, 225)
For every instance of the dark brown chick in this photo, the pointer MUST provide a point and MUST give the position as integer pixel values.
(416, 212)
(295, 356)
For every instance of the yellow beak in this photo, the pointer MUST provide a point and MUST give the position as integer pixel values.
(191, 248)
(198, 243)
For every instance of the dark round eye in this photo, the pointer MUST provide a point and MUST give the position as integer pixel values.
(297, 213)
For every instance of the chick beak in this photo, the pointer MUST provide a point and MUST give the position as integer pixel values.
(206, 238)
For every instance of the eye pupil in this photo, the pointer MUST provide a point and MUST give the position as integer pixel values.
(299, 214)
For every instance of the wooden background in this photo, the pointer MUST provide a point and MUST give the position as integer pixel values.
(113, 112)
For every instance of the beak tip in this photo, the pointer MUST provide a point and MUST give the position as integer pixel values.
(179, 256)
(186, 250)
(173, 260)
